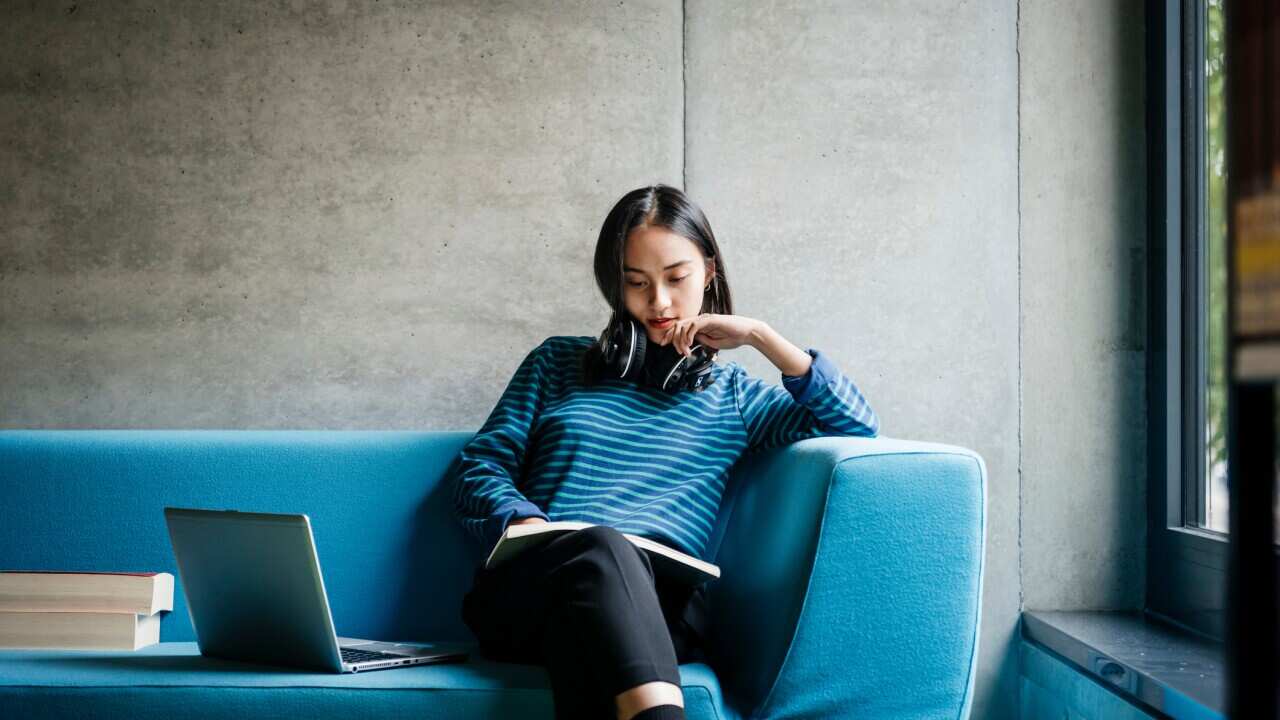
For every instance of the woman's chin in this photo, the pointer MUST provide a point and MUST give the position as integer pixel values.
(655, 336)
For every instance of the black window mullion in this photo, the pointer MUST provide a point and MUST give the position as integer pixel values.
(1193, 242)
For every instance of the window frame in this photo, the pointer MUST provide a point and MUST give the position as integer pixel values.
(1186, 577)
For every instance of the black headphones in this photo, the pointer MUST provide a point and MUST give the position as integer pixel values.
(628, 355)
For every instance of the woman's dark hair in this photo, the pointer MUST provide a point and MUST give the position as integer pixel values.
(654, 206)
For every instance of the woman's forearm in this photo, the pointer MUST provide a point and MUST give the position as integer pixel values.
(788, 358)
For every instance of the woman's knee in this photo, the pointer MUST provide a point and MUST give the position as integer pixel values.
(604, 535)
(604, 547)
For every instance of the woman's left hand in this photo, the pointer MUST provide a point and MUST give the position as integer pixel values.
(718, 332)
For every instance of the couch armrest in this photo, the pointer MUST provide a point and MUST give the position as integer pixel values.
(851, 580)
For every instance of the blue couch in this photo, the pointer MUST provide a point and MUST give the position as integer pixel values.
(852, 575)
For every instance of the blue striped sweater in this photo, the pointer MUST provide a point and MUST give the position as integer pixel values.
(638, 459)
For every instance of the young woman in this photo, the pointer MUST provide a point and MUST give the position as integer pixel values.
(635, 432)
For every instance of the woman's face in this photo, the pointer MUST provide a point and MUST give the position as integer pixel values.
(663, 277)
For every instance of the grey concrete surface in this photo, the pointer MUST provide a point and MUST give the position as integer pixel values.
(860, 169)
(1083, 180)
(311, 215)
(363, 215)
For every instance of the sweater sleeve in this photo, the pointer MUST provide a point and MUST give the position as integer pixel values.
(821, 402)
(485, 497)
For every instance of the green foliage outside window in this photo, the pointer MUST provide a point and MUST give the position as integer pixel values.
(1215, 161)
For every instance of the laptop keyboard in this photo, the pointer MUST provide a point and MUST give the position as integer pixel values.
(351, 655)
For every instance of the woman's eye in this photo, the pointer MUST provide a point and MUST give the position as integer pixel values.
(642, 284)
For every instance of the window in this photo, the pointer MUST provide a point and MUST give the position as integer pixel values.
(1187, 377)
(1186, 544)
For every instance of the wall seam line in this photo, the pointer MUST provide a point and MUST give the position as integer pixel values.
(684, 96)
(1017, 35)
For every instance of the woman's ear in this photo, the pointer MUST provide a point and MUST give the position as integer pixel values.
(711, 271)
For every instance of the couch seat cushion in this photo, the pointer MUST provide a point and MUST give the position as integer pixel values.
(172, 679)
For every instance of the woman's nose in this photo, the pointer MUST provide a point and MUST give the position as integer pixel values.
(661, 299)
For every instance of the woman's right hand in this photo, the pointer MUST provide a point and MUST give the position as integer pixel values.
(527, 521)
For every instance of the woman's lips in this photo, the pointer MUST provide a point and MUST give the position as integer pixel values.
(661, 323)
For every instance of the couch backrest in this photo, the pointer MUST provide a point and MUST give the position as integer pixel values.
(395, 561)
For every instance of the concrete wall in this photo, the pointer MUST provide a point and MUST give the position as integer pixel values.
(311, 215)
(860, 167)
(1083, 187)
(362, 215)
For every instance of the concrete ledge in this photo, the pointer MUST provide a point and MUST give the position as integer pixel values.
(1118, 664)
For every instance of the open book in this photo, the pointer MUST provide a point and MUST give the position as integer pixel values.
(665, 560)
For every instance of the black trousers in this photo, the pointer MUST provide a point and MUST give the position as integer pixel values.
(586, 605)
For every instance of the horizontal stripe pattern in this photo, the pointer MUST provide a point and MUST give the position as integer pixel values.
(635, 458)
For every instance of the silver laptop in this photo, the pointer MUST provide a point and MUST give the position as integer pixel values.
(254, 591)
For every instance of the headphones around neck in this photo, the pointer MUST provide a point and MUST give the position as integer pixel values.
(628, 355)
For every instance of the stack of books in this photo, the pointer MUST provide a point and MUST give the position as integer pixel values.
(82, 610)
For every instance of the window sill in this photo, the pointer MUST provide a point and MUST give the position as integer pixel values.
(1146, 661)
